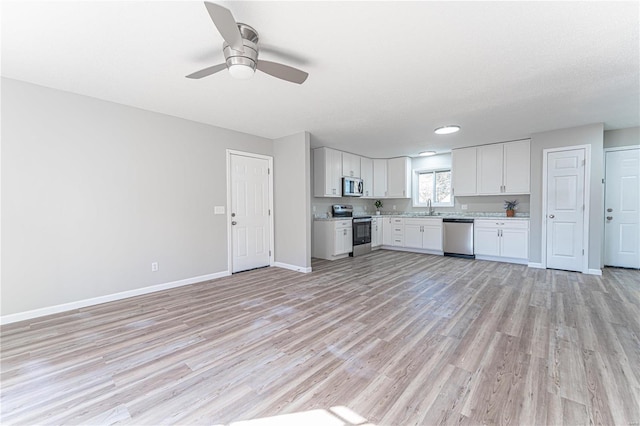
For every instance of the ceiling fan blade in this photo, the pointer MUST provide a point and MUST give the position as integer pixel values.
(283, 72)
(207, 71)
(226, 25)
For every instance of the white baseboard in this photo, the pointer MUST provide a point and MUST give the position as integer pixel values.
(49, 310)
(594, 272)
(292, 267)
(503, 259)
(535, 265)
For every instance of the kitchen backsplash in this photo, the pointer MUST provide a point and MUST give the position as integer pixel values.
(484, 204)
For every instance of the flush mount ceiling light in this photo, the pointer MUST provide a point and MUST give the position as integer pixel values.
(427, 153)
(241, 72)
(445, 130)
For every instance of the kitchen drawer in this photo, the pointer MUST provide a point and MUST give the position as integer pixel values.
(398, 230)
(343, 224)
(498, 223)
(398, 240)
(397, 220)
(422, 221)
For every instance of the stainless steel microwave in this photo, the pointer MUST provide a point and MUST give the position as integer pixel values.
(352, 187)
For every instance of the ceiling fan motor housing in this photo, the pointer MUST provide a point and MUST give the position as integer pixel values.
(250, 55)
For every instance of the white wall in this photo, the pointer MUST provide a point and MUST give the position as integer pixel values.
(591, 134)
(93, 192)
(292, 198)
(622, 137)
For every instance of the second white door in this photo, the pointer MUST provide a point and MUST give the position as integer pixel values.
(250, 200)
(622, 208)
(565, 209)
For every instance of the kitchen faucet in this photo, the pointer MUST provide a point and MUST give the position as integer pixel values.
(430, 209)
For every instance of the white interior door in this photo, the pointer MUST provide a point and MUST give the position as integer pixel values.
(622, 208)
(565, 209)
(249, 212)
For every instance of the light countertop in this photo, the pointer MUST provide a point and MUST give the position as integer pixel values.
(452, 215)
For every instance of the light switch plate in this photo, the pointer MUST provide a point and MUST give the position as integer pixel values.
(218, 210)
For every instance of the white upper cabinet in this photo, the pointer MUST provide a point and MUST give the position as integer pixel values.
(517, 164)
(399, 177)
(327, 172)
(463, 171)
(366, 166)
(379, 178)
(350, 165)
(490, 165)
(497, 169)
(504, 168)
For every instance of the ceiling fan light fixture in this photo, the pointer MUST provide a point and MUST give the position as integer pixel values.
(448, 129)
(427, 153)
(241, 72)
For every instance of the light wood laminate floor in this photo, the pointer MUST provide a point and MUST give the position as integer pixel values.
(391, 338)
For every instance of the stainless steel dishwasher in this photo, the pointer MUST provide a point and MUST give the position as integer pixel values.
(458, 237)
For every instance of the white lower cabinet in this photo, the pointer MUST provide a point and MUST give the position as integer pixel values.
(387, 231)
(332, 239)
(423, 233)
(507, 240)
(376, 232)
(397, 232)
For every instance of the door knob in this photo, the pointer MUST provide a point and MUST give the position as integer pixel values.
(609, 217)
(233, 215)
(234, 223)
(551, 216)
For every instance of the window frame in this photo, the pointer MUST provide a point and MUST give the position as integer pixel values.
(415, 187)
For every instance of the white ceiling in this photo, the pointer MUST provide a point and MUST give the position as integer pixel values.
(383, 75)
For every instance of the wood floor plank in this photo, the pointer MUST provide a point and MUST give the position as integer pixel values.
(391, 337)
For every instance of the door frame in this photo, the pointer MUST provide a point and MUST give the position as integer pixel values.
(587, 199)
(604, 189)
(231, 152)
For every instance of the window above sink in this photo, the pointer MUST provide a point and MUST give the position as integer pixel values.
(434, 185)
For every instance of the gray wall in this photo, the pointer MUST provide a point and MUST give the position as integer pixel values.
(591, 134)
(292, 199)
(93, 192)
(622, 137)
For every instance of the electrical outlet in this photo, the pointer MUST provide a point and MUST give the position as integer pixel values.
(464, 206)
(154, 267)
(394, 206)
(314, 209)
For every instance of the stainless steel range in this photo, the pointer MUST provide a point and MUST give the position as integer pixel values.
(361, 235)
(361, 230)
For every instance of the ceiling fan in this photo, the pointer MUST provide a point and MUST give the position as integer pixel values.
(241, 50)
